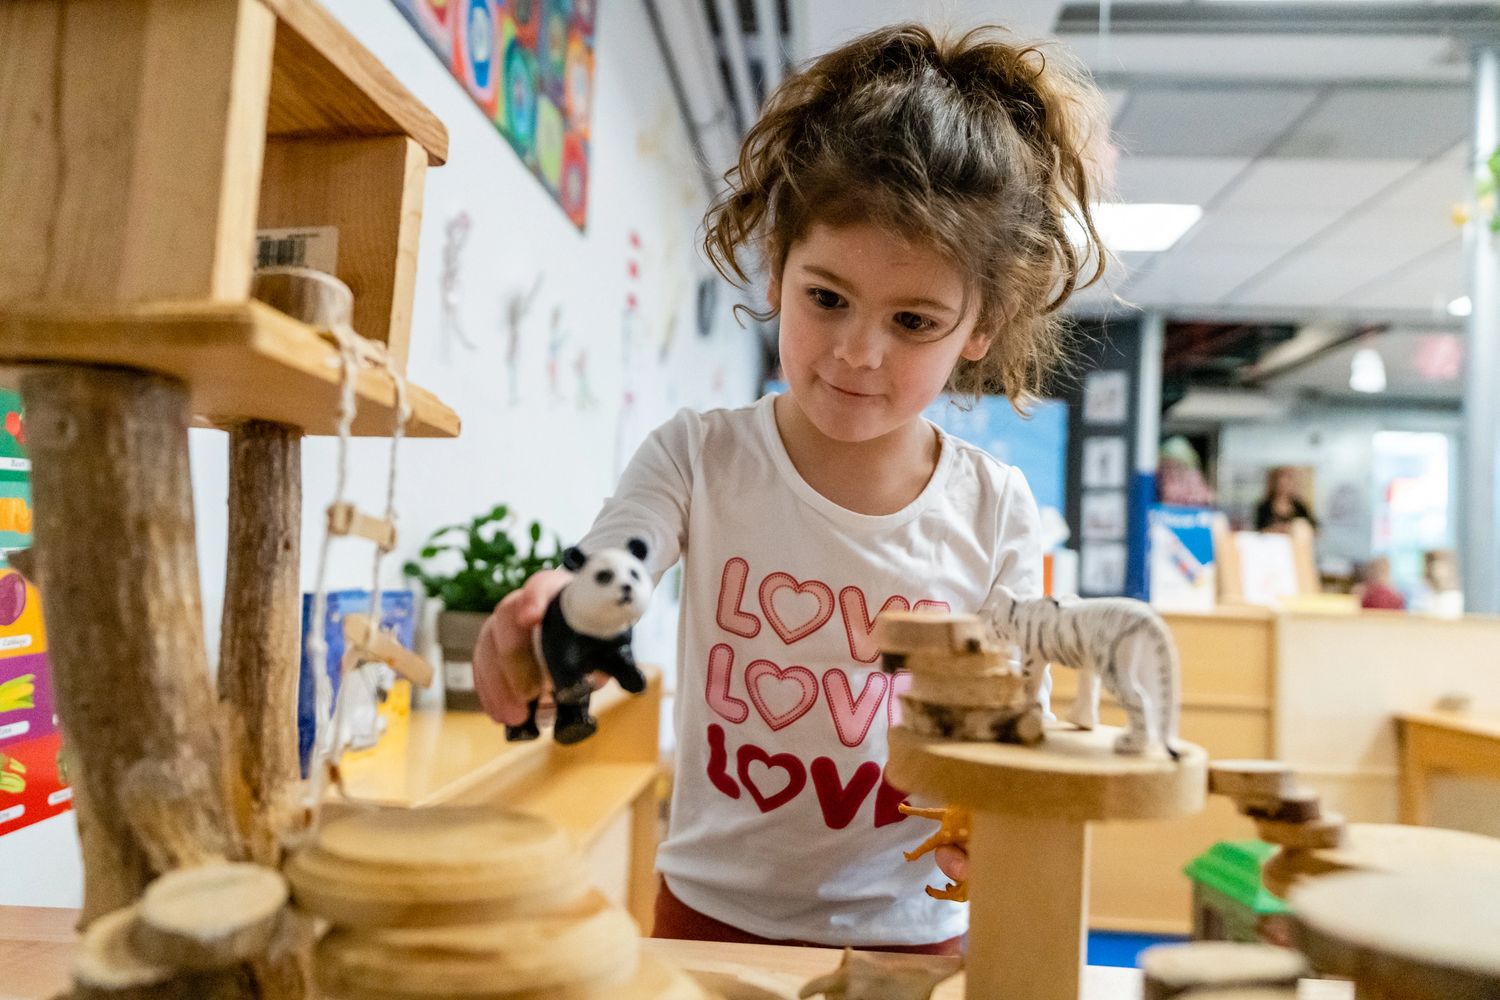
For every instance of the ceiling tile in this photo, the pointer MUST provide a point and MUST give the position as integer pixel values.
(1385, 122)
(1270, 229)
(1186, 180)
(1214, 122)
(1319, 184)
(1196, 278)
(1431, 282)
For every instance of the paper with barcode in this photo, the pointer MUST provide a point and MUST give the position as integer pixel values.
(316, 247)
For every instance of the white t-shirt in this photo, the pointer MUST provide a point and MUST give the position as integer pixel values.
(781, 823)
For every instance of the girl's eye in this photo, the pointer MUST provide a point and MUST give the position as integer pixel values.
(824, 299)
(914, 323)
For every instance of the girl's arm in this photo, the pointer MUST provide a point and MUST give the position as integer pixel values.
(650, 503)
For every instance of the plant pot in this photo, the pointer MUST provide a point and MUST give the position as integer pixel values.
(457, 632)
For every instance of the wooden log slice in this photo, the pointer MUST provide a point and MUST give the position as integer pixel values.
(433, 866)
(210, 917)
(587, 950)
(971, 723)
(1418, 936)
(1384, 847)
(1327, 831)
(1171, 970)
(908, 632)
(1003, 690)
(1260, 780)
(106, 959)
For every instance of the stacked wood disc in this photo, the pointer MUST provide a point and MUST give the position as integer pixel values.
(1285, 814)
(467, 903)
(1177, 971)
(962, 683)
(190, 934)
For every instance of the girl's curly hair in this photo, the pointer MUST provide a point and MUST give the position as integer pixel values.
(982, 147)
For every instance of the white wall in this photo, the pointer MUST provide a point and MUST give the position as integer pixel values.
(550, 456)
(1338, 443)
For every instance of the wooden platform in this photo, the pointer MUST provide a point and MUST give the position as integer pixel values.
(242, 360)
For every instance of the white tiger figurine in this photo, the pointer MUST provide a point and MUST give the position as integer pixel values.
(1120, 642)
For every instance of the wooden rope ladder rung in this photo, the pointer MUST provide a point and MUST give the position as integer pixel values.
(344, 519)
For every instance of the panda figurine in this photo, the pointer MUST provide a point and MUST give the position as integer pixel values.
(587, 627)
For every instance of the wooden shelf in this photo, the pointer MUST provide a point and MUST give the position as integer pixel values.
(241, 360)
(324, 83)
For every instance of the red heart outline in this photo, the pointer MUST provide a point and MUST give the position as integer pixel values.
(785, 581)
(759, 670)
(796, 775)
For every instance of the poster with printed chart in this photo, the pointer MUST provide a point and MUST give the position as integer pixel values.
(33, 782)
(529, 66)
(1104, 463)
(1180, 558)
(1106, 397)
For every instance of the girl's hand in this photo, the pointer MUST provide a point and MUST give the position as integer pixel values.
(507, 675)
(953, 861)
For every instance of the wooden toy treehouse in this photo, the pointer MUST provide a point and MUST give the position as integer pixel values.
(145, 144)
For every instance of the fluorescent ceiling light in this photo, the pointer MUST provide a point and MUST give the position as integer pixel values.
(1143, 228)
(1367, 371)
(1461, 306)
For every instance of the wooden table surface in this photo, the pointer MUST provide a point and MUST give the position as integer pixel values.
(36, 945)
(1432, 743)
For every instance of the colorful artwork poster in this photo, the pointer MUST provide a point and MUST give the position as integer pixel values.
(529, 66)
(397, 618)
(33, 782)
(27, 709)
(15, 477)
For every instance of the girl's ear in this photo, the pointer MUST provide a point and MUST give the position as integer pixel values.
(977, 346)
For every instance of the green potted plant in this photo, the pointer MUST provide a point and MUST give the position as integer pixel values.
(490, 564)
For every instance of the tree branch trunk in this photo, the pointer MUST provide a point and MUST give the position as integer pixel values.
(260, 645)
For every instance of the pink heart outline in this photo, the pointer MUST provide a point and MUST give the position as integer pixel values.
(759, 670)
(785, 581)
(796, 775)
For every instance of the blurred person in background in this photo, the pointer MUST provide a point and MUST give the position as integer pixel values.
(1283, 502)
(1376, 592)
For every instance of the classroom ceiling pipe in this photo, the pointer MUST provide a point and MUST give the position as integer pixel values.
(1480, 541)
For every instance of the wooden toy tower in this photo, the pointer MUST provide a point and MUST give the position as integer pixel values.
(144, 143)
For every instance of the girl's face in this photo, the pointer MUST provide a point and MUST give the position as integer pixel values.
(871, 328)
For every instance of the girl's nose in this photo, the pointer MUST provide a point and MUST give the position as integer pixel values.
(859, 346)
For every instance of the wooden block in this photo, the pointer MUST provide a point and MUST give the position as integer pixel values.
(1426, 936)
(434, 866)
(930, 631)
(581, 950)
(381, 646)
(1384, 847)
(1241, 993)
(1172, 970)
(345, 519)
(1324, 832)
(211, 916)
(1260, 780)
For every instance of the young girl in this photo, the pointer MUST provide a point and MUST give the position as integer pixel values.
(907, 196)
